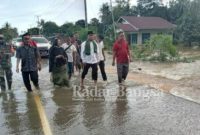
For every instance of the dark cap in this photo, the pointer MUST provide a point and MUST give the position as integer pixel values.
(25, 34)
(90, 32)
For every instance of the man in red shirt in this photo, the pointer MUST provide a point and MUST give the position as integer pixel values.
(122, 54)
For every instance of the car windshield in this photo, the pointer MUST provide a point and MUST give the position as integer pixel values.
(40, 40)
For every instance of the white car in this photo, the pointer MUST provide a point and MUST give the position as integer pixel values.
(16, 42)
(43, 45)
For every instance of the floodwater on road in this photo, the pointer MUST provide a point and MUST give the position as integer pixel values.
(129, 110)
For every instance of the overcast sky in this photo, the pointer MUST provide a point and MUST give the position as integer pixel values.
(22, 14)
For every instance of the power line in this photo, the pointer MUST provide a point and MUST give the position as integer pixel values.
(65, 9)
(112, 18)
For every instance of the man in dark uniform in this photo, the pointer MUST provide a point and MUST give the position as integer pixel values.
(5, 64)
(30, 62)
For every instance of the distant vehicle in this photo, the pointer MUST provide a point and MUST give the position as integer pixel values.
(16, 42)
(43, 45)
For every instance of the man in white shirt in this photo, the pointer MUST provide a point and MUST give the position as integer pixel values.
(70, 50)
(102, 58)
(90, 57)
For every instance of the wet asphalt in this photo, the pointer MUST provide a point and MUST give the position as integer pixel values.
(132, 109)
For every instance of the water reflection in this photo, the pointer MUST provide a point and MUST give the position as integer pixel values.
(65, 114)
(9, 108)
(94, 110)
(119, 112)
(32, 119)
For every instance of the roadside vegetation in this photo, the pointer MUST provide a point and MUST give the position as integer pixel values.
(161, 48)
(183, 13)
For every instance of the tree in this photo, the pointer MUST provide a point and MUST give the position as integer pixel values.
(151, 8)
(50, 28)
(105, 14)
(177, 8)
(67, 28)
(189, 27)
(121, 9)
(8, 32)
(94, 22)
(80, 23)
(34, 31)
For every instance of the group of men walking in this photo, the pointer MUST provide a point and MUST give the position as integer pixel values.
(65, 57)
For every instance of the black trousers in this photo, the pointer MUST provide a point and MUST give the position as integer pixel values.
(26, 78)
(102, 68)
(94, 71)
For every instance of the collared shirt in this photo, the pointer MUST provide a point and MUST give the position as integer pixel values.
(122, 51)
(93, 57)
(29, 56)
(101, 47)
(69, 51)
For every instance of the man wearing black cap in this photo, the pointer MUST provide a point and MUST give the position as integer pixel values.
(90, 57)
(30, 57)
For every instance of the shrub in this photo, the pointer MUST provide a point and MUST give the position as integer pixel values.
(159, 47)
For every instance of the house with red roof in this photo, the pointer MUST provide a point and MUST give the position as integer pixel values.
(140, 29)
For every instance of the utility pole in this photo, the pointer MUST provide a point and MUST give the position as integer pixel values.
(112, 18)
(85, 4)
(38, 23)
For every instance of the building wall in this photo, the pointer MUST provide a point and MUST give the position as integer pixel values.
(152, 32)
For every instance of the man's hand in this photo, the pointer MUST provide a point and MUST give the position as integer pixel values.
(17, 70)
(113, 63)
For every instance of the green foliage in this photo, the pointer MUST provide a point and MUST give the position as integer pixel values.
(108, 42)
(105, 14)
(33, 31)
(83, 32)
(50, 28)
(159, 47)
(151, 8)
(189, 27)
(94, 22)
(121, 9)
(80, 23)
(8, 32)
(67, 28)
